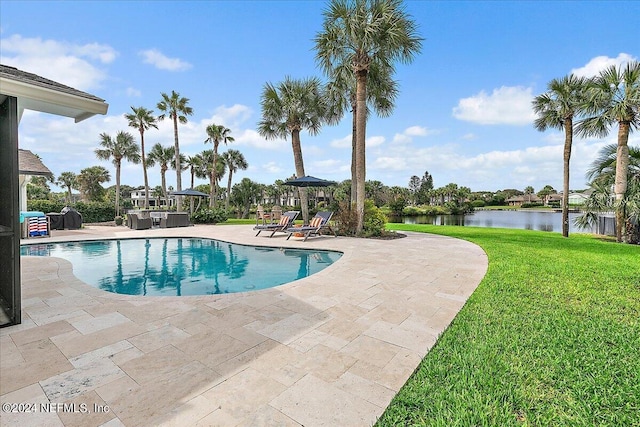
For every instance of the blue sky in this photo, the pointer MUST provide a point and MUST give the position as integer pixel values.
(463, 113)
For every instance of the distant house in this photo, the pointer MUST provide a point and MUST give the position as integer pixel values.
(137, 199)
(577, 198)
(519, 200)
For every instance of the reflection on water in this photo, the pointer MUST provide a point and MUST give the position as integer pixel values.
(526, 220)
(183, 266)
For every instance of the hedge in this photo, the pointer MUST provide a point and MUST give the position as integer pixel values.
(91, 211)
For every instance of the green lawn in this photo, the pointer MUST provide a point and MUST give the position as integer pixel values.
(551, 337)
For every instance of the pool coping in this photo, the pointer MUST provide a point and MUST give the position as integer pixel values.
(329, 349)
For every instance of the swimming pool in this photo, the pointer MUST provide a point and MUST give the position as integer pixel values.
(183, 266)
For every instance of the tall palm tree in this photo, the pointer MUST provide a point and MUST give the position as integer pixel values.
(122, 147)
(217, 134)
(234, 160)
(142, 119)
(162, 156)
(614, 97)
(288, 108)
(556, 109)
(382, 91)
(68, 180)
(365, 34)
(210, 172)
(175, 108)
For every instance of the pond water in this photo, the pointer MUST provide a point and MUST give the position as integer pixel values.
(525, 220)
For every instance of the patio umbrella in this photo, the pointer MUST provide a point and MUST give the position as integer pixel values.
(193, 193)
(309, 181)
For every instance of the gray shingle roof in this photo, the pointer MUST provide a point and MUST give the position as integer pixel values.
(30, 164)
(30, 78)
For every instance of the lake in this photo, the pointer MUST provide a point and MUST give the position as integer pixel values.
(526, 220)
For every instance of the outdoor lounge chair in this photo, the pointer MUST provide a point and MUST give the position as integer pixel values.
(317, 223)
(139, 223)
(286, 221)
(175, 219)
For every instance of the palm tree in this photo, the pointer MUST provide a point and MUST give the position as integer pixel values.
(603, 168)
(162, 156)
(68, 180)
(217, 134)
(234, 160)
(381, 93)
(556, 109)
(209, 171)
(175, 108)
(602, 174)
(122, 147)
(89, 182)
(614, 97)
(365, 34)
(288, 108)
(142, 119)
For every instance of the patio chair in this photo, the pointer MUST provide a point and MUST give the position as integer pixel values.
(139, 223)
(315, 227)
(286, 221)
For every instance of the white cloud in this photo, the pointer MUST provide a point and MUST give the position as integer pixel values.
(407, 135)
(341, 143)
(374, 141)
(599, 63)
(231, 117)
(163, 62)
(469, 136)
(272, 167)
(416, 131)
(67, 63)
(507, 105)
(132, 92)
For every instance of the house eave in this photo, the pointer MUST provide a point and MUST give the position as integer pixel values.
(32, 97)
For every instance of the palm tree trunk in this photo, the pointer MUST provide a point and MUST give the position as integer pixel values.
(361, 125)
(144, 169)
(622, 168)
(178, 165)
(214, 172)
(354, 129)
(226, 202)
(118, 188)
(163, 172)
(193, 173)
(297, 158)
(568, 139)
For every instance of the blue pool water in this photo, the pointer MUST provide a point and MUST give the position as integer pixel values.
(183, 266)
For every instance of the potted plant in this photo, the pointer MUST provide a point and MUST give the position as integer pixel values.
(118, 220)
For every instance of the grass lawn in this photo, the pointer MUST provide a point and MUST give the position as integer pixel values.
(551, 337)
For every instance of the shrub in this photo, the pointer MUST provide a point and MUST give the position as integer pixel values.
(478, 203)
(374, 220)
(45, 206)
(398, 205)
(209, 216)
(90, 211)
(531, 205)
(96, 211)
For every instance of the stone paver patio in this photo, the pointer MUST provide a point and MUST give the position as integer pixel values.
(329, 350)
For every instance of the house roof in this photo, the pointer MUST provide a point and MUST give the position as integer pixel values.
(30, 164)
(40, 94)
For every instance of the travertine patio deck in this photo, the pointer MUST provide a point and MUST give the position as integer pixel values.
(331, 349)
